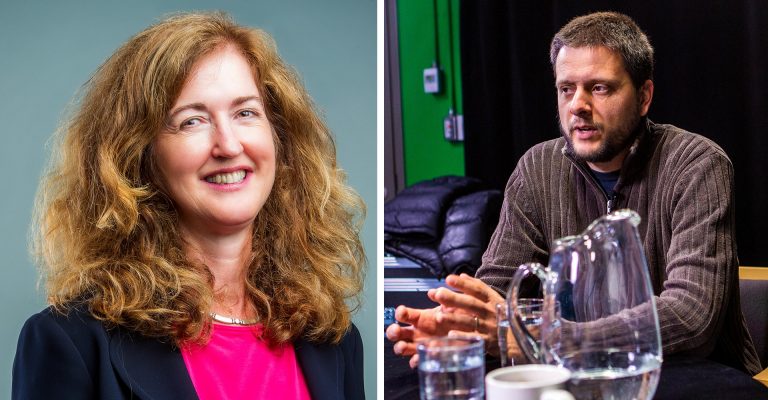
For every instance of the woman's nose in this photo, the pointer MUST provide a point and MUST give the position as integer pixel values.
(226, 142)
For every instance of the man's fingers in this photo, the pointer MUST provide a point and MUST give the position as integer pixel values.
(473, 287)
(465, 335)
(459, 322)
(397, 333)
(432, 294)
(403, 348)
(409, 315)
(465, 302)
(414, 361)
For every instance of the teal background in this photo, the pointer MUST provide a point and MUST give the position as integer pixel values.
(49, 49)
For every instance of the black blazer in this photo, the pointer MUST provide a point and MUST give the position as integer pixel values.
(75, 357)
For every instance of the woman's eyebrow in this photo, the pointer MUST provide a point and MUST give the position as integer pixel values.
(244, 99)
(201, 107)
(192, 106)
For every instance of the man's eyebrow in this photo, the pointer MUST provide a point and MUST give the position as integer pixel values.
(590, 82)
(608, 81)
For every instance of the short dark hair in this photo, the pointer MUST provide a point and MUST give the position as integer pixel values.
(613, 30)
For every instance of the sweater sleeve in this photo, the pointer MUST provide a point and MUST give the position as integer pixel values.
(518, 236)
(701, 262)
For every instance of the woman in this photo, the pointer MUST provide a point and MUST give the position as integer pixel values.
(197, 237)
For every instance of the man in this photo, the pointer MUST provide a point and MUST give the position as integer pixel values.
(611, 156)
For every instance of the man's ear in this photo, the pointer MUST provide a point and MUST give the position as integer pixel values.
(646, 95)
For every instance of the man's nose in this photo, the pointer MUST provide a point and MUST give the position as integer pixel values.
(226, 142)
(581, 102)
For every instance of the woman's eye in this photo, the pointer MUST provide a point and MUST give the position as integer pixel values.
(191, 122)
(247, 113)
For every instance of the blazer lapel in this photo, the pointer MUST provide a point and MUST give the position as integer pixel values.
(321, 366)
(151, 369)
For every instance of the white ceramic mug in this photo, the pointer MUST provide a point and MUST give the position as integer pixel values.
(528, 382)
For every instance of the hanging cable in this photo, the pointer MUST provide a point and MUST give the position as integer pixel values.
(436, 58)
(452, 78)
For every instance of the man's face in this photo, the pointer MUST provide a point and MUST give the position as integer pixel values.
(598, 105)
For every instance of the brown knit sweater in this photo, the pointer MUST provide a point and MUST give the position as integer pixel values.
(681, 185)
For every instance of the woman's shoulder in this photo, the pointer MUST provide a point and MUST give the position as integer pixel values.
(333, 370)
(350, 342)
(75, 315)
(78, 355)
(73, 324)
(65, 349)
(352, 339)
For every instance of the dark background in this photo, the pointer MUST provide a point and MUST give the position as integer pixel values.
(710, 78)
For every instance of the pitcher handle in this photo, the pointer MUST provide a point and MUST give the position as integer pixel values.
(525, 340)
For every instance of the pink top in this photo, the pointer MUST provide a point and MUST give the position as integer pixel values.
(236, 364)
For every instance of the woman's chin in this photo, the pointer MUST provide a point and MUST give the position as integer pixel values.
(221, 224)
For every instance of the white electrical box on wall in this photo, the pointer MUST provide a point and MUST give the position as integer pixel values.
(449, 127)
(453, 127)
(431, 80)
(459, 125)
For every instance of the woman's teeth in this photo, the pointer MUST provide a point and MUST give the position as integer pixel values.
(231, 177)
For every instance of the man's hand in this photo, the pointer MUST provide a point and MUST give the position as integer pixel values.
(471, 311)
(424, 324)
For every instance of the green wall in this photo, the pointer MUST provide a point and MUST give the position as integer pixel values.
(426, 154)
(49, 49)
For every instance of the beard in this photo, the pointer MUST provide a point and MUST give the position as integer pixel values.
(614, 141)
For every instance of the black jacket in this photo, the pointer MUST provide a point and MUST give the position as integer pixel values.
(443, 224)
(75, 357)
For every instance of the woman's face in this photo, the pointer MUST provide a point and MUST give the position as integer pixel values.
(218, 158)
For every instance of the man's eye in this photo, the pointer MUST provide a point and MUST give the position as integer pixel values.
(600, 88)
(565, 90)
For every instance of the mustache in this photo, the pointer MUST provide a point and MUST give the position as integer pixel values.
(575, 124)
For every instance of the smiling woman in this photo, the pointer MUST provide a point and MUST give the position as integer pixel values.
(197, 236)
(217, 154)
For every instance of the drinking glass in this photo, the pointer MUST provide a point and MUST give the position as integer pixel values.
(451, 368)
(529, 310)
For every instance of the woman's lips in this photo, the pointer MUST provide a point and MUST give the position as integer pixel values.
(227, 178)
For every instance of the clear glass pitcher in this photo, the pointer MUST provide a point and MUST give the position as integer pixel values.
(599, 317)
